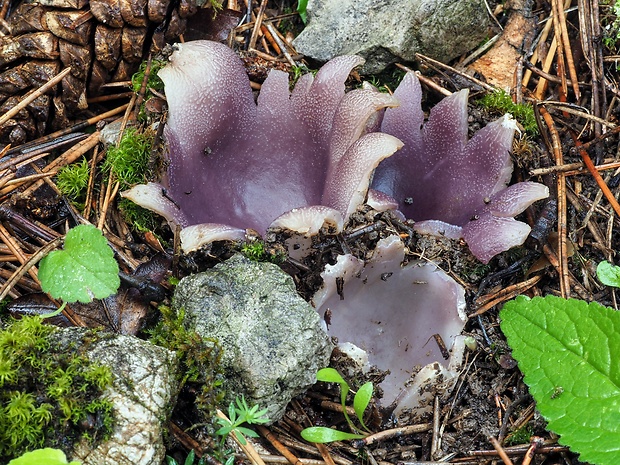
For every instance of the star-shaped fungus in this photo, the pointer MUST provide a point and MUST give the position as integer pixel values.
(450, 185)
(300, 159)
(237, 164)
(306, 157)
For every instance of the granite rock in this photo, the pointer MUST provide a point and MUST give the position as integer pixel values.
(142, 394)
(272, 340)
(385, 31)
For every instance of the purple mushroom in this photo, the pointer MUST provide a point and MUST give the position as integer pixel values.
(305, 158)
(450, 185)
(301, 159)
(237, 164)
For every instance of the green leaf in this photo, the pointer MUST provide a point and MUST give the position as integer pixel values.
(45, 456)
(224, 430)
(239, 437)
(84, 270)
(301, 9)
(361, 401)
(608, 274)
(569, 353)
(246, 432)
(189, 460)
(232, 413)
(321, 435)
(330, 375)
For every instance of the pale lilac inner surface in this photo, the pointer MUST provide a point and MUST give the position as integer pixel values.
(393, 312)
(237, 163)
(439, 174)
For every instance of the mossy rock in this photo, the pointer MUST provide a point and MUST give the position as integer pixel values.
(101, 398)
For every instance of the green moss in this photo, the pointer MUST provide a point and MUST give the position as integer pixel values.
(200, 358)
(298, 71)
(154, 81)
(520, 436)
(137, 217)
(129, 161)
(257, 252)
(72, 180)
(216, 5)
(500, 101)
(46, 392)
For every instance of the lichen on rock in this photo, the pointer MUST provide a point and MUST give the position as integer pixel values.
(272, 340)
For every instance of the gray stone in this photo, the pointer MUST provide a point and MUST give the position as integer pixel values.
(385, 31)
(143, 395)
(272, 340)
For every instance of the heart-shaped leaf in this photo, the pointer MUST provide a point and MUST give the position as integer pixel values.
(608, 274)
(83, 271)
(45, 456)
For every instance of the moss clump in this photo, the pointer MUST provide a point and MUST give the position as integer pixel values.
(129, 164)
(139, 218)
(72, 180)
(129, 161)
(520, 436)
(258, 252)
(47, 395)
(154, 82)
(200, 358)
(501, 101)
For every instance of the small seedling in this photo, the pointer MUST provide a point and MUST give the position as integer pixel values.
(45, 456)
(189, 460)
(83, 271)
(239, 413)
(608, 274)
(361, 400)
(569, 353)
(301, 9)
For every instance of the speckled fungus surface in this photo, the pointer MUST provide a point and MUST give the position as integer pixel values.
(304, 158)
(243, 164)
(450, 185)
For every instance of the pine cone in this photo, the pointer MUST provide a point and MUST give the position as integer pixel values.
(102, 41)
